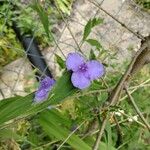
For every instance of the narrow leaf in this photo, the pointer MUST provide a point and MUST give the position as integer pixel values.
(14, 107)
(60, 132)
(109, 135)
(102, 145)
(92, 55)
(87, 29)
(9, 134)
(97, 21)
(43, 17)
(95, 43)
(91, 24)
(64, 5)
(60, 61)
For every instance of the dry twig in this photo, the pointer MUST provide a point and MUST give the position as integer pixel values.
(137, 109)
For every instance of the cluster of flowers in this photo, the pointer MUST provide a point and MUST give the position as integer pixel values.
(83, 72)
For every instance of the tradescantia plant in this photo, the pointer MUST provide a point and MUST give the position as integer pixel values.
(44, 88)
(65, 113)
(82, 74)
(50, 93)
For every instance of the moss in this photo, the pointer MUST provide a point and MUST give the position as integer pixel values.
(10, 48)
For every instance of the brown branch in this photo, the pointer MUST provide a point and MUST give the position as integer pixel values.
(143, 58)
(119, 132)
(137, 109)
(140, 58)
(127, 75)
(99, 135)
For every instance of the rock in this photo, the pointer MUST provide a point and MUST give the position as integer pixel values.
(112, 35)
(16, 77)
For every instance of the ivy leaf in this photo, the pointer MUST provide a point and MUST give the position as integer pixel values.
(60, 61)
(91, 24)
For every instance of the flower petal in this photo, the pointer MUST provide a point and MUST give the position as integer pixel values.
(95, 70)
(79, 80)
(40, 95)
(46, 83)
(73, 61)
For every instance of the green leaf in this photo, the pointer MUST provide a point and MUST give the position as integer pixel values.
(63, 88)
(87, 29)
(95, 43)
(102, 145)
(43, 17)
(91, 24)
(60, 61)
(92, 55)
(60, 132)
(64, 5)
(109, 135)
(23, 106)
(10, 134)
(96, 21)
(14, 107)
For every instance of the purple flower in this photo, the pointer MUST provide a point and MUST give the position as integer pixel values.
(83, 71)
(45, 86)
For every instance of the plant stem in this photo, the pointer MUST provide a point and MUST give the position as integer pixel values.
(137, 109)
(99, 136)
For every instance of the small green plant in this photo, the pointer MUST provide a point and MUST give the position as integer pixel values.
(29, 24)
(145, 4)
(64, 5)
(10, 48)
